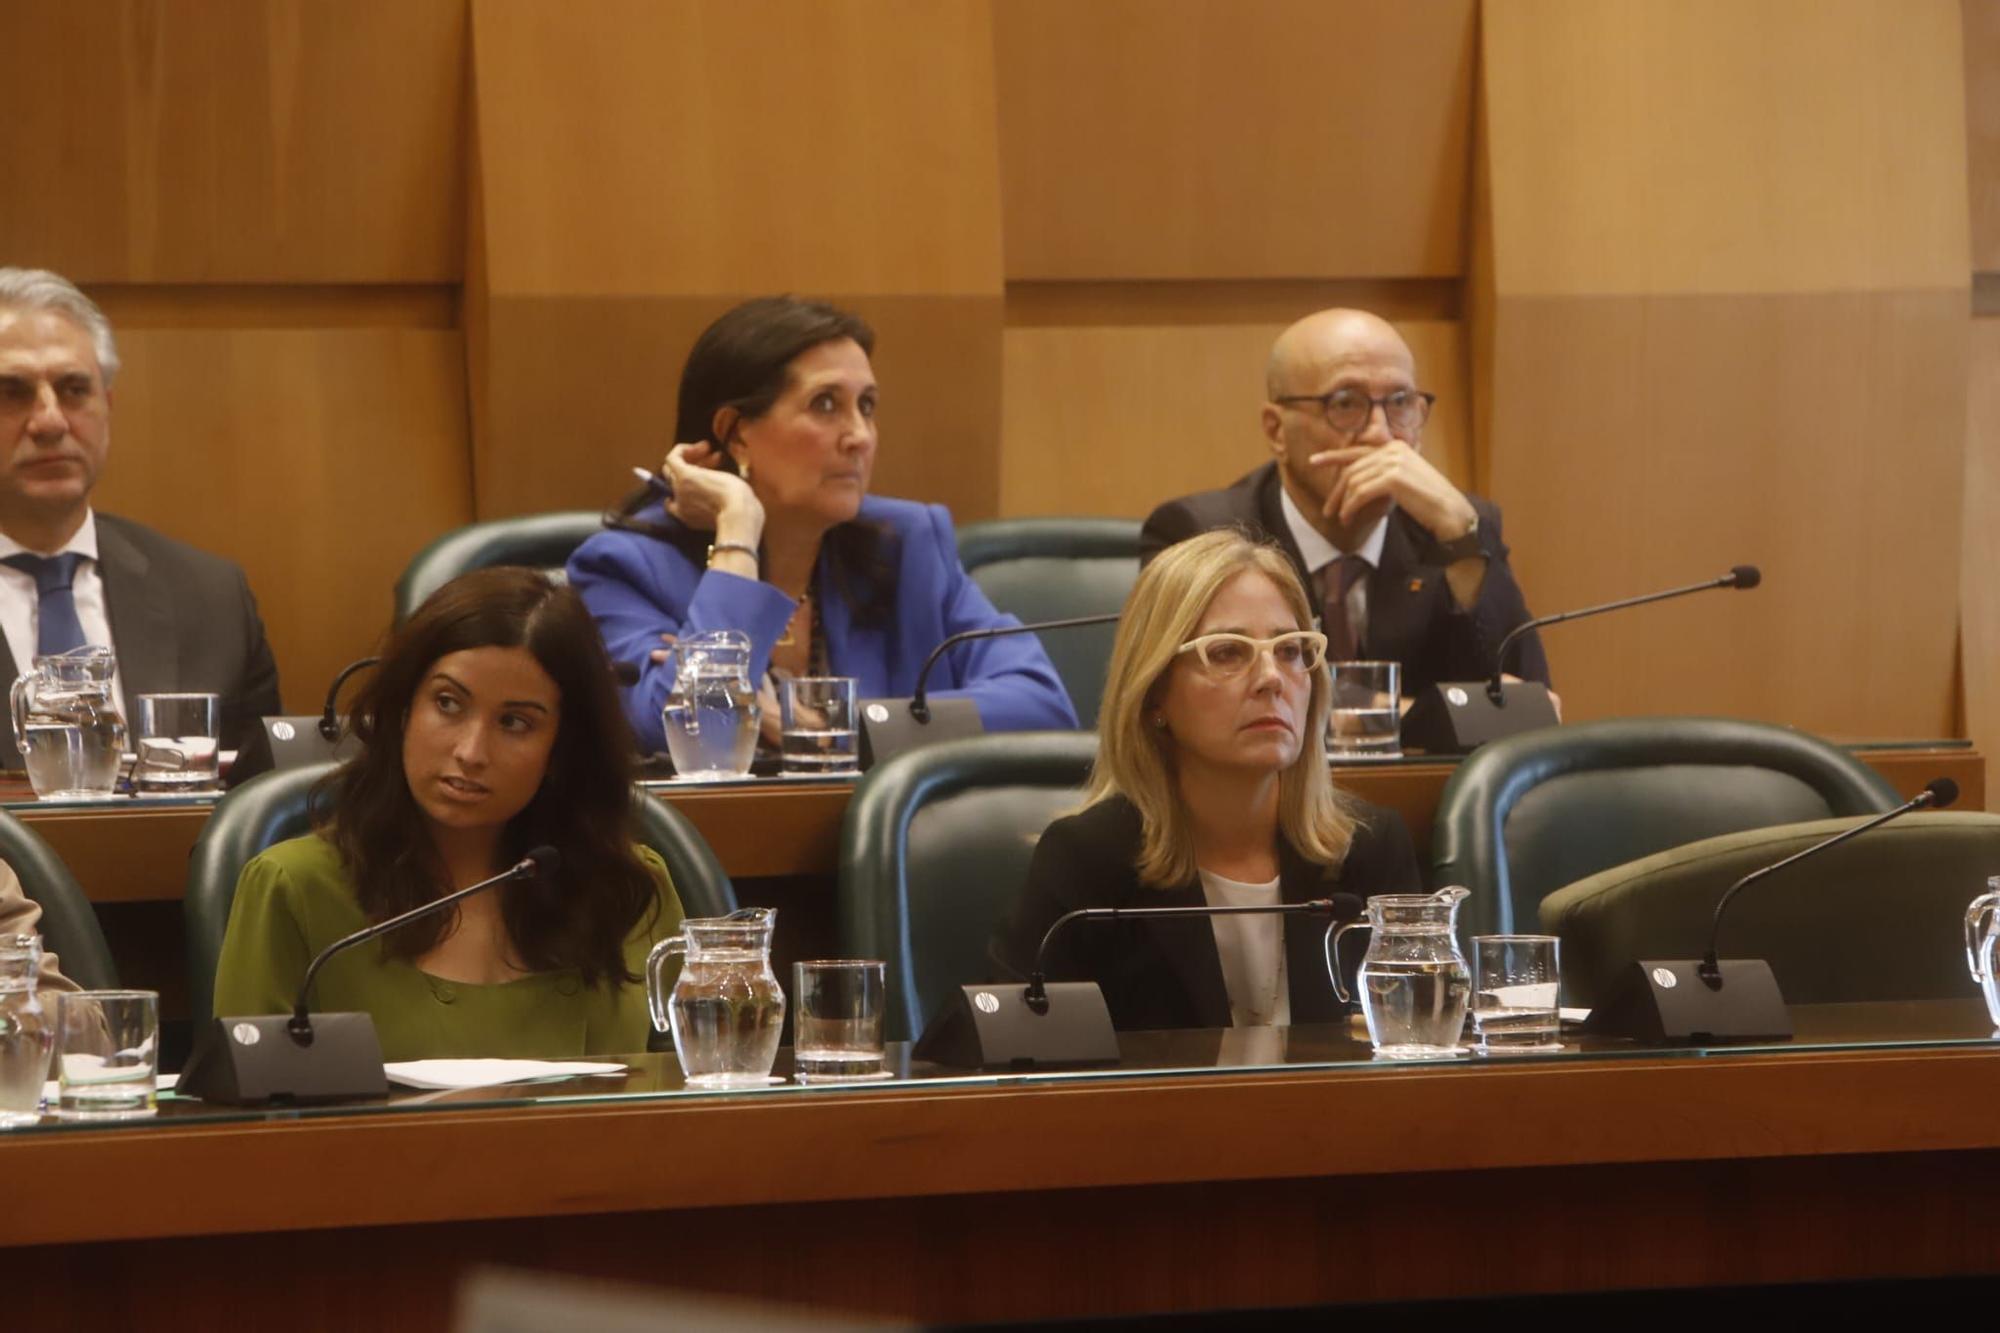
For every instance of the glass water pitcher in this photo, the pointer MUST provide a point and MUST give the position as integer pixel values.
(67, 725)
(726, 1009)
(1414, 982)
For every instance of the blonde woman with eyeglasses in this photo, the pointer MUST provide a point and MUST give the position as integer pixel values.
(1210, 786)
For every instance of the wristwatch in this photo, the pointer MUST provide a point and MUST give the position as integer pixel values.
(1462, 547)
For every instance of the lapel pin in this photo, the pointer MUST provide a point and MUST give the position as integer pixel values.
(1416, 585)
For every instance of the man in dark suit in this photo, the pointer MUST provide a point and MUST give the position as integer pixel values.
(179, 619)
(1400, 564)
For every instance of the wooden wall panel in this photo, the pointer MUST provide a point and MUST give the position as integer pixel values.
(1645, 443)
(196, 141)
(1726, 145)
(1982, 128)
(1114, 418)
(1708, 341)
(643, 165)
(1979, 624)
(320, 460)
(1234, 138)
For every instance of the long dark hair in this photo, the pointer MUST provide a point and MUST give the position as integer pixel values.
(579, 917)
(743, 360)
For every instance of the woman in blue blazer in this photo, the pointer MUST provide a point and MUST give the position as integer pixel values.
(770, 530)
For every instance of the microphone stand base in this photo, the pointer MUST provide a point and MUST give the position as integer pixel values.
(1665, 1001)
(1458, 716)
(887, 729)
(992, 1027)
(249, 1061)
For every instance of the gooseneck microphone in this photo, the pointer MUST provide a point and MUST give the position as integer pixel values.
(921, 711)
(329, 716)
(1741, 577)
(542, 860)
(891, 726)
(1459, 716)
(1342, 907)
(1937, 794)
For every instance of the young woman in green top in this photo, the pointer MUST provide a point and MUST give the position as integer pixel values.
(491, 726)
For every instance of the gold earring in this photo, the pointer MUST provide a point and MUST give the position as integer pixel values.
(1159, 722)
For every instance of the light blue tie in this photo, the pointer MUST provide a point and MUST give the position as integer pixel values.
(59, 630)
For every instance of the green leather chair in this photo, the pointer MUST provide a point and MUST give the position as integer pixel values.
(1878, 918)
(541, 541)
(934, 850)
(1524, 816)
(275, 806)
(69, 924)
(1052, 568)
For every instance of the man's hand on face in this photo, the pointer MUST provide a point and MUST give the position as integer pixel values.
(1374, 474)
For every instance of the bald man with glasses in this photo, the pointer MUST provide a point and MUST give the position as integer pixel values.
(1401, 565)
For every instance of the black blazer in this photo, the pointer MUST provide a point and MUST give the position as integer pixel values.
(181, 620)
(1167, 973)
(1412, 616)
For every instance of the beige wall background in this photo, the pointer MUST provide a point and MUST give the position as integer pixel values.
(384, 266)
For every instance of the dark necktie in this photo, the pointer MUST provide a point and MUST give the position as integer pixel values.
(1336, 580)
(58, 628)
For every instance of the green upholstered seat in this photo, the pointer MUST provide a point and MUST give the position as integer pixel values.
(934, 850)
(1878, 918)
(1053, 568)
(69, 924)
(1524, 816)
(540, 541)
(275, 806)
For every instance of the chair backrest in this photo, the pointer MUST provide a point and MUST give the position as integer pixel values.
(1052, 568)
(1524, 816)
(69, 924)
(267, 809)
(1878, 918)
(934, 851)
(540, 541)
(699, 879)
(273, 807)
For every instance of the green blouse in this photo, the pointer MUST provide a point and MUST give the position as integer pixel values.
(296, 898)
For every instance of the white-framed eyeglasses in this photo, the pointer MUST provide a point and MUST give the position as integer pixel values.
(1296, 653)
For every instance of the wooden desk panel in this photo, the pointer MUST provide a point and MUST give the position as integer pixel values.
(140, 855)
(957, 1204)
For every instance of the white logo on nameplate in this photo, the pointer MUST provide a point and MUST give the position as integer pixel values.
(1455, 696)
(283, 730)
(246, 1034)
(987, 1001)
(877, 713)
(1664, 978)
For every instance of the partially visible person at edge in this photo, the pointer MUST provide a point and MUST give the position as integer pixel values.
(771, 530)
(491, 727)
(1210, 787)
(178, 619)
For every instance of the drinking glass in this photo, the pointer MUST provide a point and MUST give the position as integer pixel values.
(1365, 721)
(837, 1019)
(1516, 981)
(107, 1053)
(819, 724)
(180, 736)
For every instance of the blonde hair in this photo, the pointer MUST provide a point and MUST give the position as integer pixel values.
(1135, 760)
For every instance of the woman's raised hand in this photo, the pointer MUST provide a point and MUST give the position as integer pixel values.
(709, 499)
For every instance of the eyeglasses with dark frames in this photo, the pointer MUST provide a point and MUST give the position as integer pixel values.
(1347, 409)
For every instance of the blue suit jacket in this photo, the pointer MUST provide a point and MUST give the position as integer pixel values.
(640, 587)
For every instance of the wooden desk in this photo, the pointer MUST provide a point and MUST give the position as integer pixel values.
(1044, 1197)
(140, 854)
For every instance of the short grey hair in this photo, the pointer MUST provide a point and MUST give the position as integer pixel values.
(39, 289)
